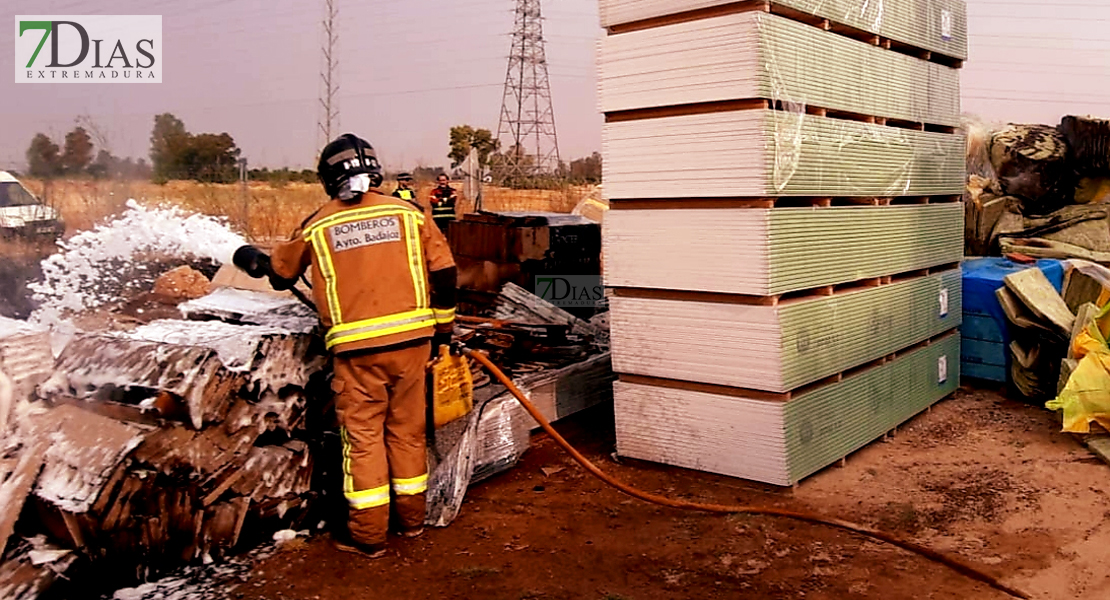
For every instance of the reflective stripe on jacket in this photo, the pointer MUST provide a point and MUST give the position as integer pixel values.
(370, 262)
(443, 203)
(443, 212)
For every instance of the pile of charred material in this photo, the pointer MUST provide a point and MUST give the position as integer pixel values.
(166, 444)
(1039, 190)
(177, 441)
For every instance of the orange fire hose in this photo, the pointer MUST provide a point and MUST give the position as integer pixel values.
(952, 563)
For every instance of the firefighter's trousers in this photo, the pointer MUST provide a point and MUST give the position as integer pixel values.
(379, 398)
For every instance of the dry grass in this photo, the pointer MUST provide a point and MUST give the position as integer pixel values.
(508, 200)
(271, 212)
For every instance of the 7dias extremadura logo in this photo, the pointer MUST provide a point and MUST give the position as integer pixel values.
(88, 49)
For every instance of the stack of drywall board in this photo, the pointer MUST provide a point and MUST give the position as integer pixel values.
(777, 348)
(763, 55)
(938, 26)
(784, 236)
(775, 153)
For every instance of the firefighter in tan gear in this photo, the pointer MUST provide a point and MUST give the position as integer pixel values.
(384, 285)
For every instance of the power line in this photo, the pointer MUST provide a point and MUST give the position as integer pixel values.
(1020, 46)
(1037, 18)
(1037, 100)
(1027, 91)
(1085, 75)
(1011, 4)
(1023, 37)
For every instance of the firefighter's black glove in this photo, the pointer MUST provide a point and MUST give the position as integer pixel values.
(280, 283)
(253, 262)
(256, 263)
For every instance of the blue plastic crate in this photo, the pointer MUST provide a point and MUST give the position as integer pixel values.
(980, 327)
(986, 372)
(986, 353)
(982, 276)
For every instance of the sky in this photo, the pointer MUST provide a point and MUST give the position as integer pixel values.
(410, 70)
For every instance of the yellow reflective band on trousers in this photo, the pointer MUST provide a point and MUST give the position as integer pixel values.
(443, 315)
(379, 327)
(359, 499)
(371, 498)
(411, 486)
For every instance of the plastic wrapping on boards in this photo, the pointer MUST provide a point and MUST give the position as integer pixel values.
(504, 434)
(768, 56)
(859, 158)
(978, 157)
(762, 152)
(906, 159)
(491, 439)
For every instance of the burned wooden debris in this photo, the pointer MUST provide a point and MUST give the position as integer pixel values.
(248, 307)
(181, 440)
(32, 567)
(20, 465)
(164, 445)
(112, 368)
(25, 362)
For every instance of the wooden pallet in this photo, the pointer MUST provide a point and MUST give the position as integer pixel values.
(701, 108)
(779, 299)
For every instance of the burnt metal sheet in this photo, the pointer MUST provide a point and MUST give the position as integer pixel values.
(274, 358)
(19, 468)
(248, 307)
(25, 362)
(97, 364)
(84, 449)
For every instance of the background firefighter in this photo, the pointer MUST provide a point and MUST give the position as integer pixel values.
(404, 189)
(384, 286)
(444, 198)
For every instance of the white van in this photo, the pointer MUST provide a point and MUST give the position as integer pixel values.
(24, 215)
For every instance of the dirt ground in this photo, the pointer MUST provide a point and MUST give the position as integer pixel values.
(988, 479)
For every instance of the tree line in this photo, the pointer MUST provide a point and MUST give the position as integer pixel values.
(177, 153)
(463, 138)
(47, 160)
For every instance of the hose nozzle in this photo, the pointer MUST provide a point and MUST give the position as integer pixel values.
(252, 261)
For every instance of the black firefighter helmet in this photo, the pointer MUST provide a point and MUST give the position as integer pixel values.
(348, 167)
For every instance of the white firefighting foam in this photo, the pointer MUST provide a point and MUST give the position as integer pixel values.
(93, 265)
